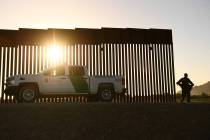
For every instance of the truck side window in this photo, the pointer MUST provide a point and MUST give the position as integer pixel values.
(76, 70)
(48, 72)
(58, 71)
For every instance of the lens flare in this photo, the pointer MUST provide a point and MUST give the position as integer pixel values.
(54, 55)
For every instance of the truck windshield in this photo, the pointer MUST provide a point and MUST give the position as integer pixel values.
(57, 71)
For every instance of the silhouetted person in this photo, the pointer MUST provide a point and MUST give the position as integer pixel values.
(186, 84)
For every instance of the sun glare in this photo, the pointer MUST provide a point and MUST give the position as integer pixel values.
(54, 55)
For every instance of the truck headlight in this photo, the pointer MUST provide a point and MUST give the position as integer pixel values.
(11, 82)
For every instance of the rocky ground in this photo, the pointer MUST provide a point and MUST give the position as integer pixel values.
(110, 121)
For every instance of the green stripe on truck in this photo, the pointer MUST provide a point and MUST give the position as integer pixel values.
(79, 83)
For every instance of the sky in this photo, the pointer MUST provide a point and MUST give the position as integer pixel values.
(188, 19)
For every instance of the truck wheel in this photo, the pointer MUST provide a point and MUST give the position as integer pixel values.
(106, 94)
(27, 94)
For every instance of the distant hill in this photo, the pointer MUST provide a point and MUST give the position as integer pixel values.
(198, 90)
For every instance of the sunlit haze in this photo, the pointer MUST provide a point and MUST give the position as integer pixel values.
(188, 19)
(54, 55)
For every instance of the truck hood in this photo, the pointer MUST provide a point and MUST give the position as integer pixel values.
(27, 77)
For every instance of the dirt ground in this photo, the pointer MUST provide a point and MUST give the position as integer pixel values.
(104, 121)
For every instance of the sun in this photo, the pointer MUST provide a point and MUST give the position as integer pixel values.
(54, 55)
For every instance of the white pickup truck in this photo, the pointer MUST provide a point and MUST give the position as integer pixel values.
(65, 81)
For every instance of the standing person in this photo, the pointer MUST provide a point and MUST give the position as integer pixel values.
(186, 84)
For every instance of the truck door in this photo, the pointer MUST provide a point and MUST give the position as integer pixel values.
(79, 79)
(55, 81)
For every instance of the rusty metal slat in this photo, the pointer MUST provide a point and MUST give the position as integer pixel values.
(132, 71)
(100, 59)
(65, 53)
(107, 59)
(27, 59)
(77, 55)
(103, 60)
(154, 66)
(38, 58)
(161, 73)
(34, 59)
(145, 73)
(73, 55)
(153, 74)
(141, 73)
(23, 59)
(90, 59)
(113, 60)
(95, 60)
(31, 59)
(150, 73)
(7, 68)
(168, 71)
(110, 59)
(80, 54)
(3, 73)
(123, 66)
(173, 73)
(16, 60)
(12, 61)
(83, 54)
(42, 58)
(68, 56)
(140, 67)
(19, 59)
(137, 73)
(121, 59)
(129, 73)
(87, 56)
(157, 73)
(45, 60)
(136, 52)
(164, 72)
(116, 65)
(116, 59)
(126, 68)
(0, 71)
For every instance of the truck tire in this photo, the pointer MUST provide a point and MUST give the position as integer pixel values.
(27, 94)
(106, 94)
